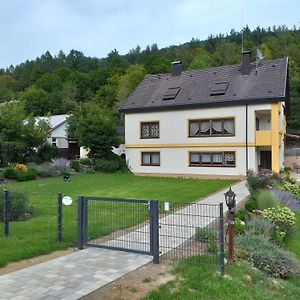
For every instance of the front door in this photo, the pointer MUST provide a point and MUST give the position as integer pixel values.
(265, 160)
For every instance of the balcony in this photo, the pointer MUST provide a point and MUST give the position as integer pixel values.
(263, 138)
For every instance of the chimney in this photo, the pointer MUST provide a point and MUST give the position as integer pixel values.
(246, 62)
(176, 68)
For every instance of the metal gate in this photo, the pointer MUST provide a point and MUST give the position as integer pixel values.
(119, 224)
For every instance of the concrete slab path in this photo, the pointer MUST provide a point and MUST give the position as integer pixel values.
(78, 274)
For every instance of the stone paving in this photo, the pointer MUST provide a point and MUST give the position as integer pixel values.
(77, 274)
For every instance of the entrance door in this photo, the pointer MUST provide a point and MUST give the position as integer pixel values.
(265, 160)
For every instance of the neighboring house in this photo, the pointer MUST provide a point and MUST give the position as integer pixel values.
(59, 138)
(218, 122)
(292, 149)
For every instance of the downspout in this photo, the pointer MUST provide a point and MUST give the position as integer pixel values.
(247, 165)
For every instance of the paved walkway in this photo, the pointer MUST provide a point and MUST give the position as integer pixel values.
(77, 274)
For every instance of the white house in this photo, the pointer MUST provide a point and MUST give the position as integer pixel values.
(214, 122)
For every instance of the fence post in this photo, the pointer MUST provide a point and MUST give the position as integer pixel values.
(154, 231)
(80, 223)
(221, 239)
(59, 216)
(6, 212)
(85, 221)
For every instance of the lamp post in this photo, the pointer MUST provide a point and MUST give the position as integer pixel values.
(230, 202)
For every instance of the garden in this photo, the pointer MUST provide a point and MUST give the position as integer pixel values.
(33, 228)
(267, 249)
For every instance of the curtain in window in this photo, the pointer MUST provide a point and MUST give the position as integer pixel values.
(154, 130)
(155, 159)
(195, 158)
(216, 127)
(217, 158)
(205, 158)
(146, 130)
(146, 159)
(228, 126)
(205, 127)
(229, 159)
(194, 128)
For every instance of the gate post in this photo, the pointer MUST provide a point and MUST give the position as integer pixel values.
(6, 205)
(221, 238)
(154, 231)
(80, 223)
(59, 217)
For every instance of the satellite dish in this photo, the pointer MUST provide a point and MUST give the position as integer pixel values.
(259, 54)
(67, 200)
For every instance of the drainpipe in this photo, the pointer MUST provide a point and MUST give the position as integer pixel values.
(247, 166)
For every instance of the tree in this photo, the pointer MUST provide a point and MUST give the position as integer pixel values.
(19, 137)
(96, 130)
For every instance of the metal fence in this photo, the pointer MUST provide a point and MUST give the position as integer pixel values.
(192, 229)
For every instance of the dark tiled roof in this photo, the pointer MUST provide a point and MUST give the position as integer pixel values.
(268, 83)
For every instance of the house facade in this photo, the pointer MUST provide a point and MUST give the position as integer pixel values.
(214, 122)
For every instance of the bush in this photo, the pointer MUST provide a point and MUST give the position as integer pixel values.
(258, 181)
(293, 188)
(10, 173)
(75, 165)
(47, 152)
(251, 205)
(242, 214)
(267, 257)
(205, 234)
(239, 226)
(30, 174)
(261, 227)
(266, 199)
(19, 208)
(62, 165)
(106, 166)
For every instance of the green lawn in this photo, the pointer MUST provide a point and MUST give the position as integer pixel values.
(39, 234)
(293, 243)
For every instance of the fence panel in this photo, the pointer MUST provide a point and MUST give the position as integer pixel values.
(192, 229)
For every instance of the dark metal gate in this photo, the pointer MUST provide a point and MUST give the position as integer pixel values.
(119, 224)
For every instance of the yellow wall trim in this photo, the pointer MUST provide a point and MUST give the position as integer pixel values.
(275, 109)
(237, 144)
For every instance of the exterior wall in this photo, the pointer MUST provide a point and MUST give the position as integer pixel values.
(174, 144)
(60, 134)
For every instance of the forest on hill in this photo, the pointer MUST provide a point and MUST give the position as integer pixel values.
(62, 83)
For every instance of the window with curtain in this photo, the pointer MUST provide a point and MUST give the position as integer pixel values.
(213, 159)
(149, 130)
(150, 158)
(211, 127)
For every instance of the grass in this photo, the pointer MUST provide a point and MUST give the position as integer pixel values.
(198, 281)
(39, 234)
(293, 243)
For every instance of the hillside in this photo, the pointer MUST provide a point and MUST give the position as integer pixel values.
(59, 84)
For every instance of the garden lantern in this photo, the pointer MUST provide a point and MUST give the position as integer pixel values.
(230, 199)
(230, 202)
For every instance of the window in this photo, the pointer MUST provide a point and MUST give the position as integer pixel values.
(171, 93)
(211, 127)
(212, 159)
(150, 159)
(149, 130)
(219, 88)
(54, 142)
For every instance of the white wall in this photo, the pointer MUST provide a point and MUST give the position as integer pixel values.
(60, 134)
(173, 126)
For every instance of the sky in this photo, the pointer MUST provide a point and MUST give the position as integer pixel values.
(31, 27)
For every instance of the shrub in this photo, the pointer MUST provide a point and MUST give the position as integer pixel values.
(21, 167)
(19, 208)
(10, 173)
(212, 247)
(75, 165)
(107, 166)
(266, 199)
(239, 226)
(62, 165)
(280, 215)
(242, 214)
(258, 181)
(30, 174)
(205, 234)
(47, 152)
(267, 257)
(261, 227)
(251, 204)
(293, 188)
